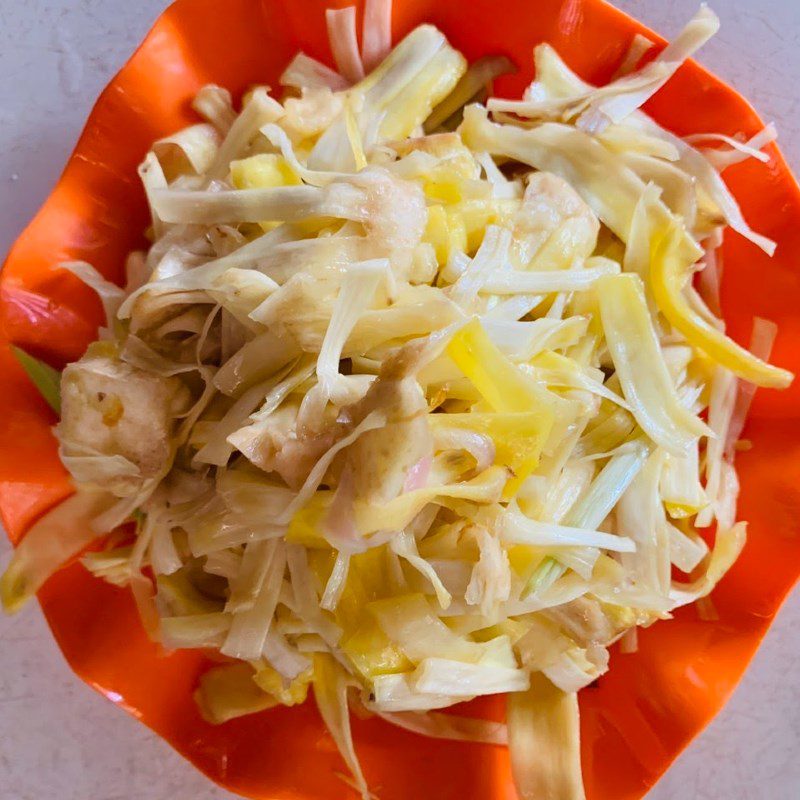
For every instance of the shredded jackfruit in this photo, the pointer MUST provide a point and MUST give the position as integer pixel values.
(413, 402)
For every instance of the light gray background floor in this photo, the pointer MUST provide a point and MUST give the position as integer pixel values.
(58, 739)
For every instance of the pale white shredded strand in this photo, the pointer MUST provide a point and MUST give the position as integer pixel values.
(344, 44)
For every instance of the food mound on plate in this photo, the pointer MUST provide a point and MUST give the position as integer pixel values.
(419, 394)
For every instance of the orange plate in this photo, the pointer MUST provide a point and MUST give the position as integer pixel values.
(649, 706)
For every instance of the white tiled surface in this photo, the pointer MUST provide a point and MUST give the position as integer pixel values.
(58, 739)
